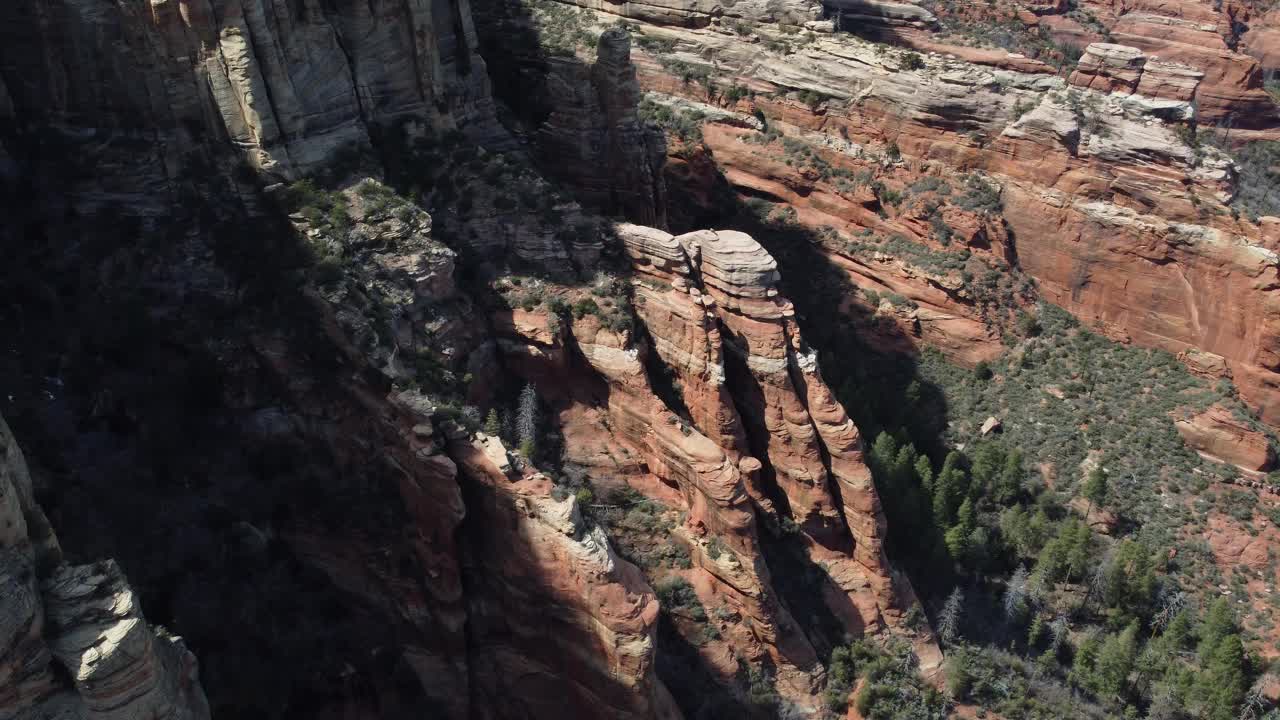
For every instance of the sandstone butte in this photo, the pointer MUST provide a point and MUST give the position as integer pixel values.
(462, 577)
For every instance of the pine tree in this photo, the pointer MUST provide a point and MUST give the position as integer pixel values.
(1038, 530)
(1015, 595)
(951, 616)
(949, 489)
(904, 467)
(1178, 632)
(1128, 581)
(1078, 539)
(883, 452)
(924, 471)
(959, 678)
(985, 465)
(1115, 662)
(1220, 688)
(1009, 483)
(1035, 633)
(1219, 621)
(942, 511)
(527, 421)
(492, 423)
(979, 551)
(1095, 489)
(1014, 527)
(1085, 661)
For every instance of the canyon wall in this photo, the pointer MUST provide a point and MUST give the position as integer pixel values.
(260, 396)
(316, 340)
(287, 85)
(1103, 198)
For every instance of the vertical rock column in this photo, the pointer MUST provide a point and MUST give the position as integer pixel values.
(594, 139)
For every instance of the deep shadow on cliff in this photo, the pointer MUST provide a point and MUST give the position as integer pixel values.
(578, 118)
(133, 376)
(189, 410)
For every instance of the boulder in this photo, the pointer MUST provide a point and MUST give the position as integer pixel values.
(991, 425)
(1107, 67)
(1219, 435)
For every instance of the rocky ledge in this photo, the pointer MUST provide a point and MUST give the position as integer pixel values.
(73, 641)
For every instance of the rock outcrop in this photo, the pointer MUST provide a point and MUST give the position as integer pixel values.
(1220, 436)
(1201, 35)
(561, 624)
(1124, 70)
(759, 427)
(74, 643)
(519, 603)
(594, 139)
(339, 502)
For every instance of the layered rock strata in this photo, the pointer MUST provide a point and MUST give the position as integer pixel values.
(1108, 208)
(512, 600)
(1220, 436)
(1201, 35)
(761, 428)
(290, 86)
(561, 624)
(594, 141)
(74, 643)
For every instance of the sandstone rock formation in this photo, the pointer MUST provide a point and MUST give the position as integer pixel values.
(1218, 435)
(110, 664)
(761, 429)
(562, 624)
(594, 139)
(339, 502)
(519, 603)
(1095, 185)
(290, 86)
(1216, 39)
(446, 561)
(1204, 36)
(1110, 68)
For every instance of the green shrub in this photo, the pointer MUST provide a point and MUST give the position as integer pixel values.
(734, 93)
(715, 547)
(980, 195)
(328, 270)
(584, 307)
(1258, 181)
(677, 596)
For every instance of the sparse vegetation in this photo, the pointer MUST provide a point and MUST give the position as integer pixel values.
(1086, 107)
(677, 596)
(980, 195)
(1002, 28)
(1258, 184)
(563, 29)
(685, 124)
(322, 209)
(892, 687)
